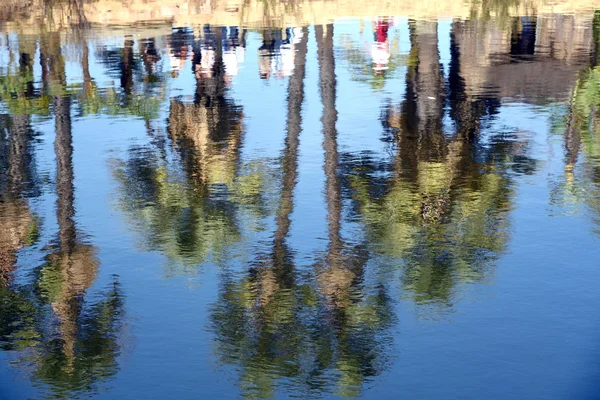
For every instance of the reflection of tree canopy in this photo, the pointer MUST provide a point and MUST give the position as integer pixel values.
(444, 211)
(108, 101)
(18, 226)
(12, 88)
(169, 215)
(581, 132)
(446, 232)
(139, 93)
(68, 342)
(27, 324)
(279, 327)
(189, 221)
(95, 347)
(188, 204)
(18, 177)
(17, 89)
(296, 340)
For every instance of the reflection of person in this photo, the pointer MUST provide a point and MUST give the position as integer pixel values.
(270, 46)
(150, 55)
(233, 50)
(380, 50)
(285, 66)
(207, 59)
(178, 47)
(277, 54)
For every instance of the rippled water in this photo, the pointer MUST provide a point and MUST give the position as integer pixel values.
(218, 200)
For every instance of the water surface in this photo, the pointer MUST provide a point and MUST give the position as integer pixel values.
(296, 200)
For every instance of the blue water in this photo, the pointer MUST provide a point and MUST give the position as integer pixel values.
(418, 219)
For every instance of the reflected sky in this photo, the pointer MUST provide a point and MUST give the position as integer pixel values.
(352, 208)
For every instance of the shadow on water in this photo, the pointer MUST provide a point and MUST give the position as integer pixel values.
(433, 214)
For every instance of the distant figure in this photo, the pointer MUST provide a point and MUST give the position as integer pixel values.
(267, 51)
(286, 64)
(277, 54)
(178, 46)
(380, 51)
(233, 50)
(207, 61)
(150, 55)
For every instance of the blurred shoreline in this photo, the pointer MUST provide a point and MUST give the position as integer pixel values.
(34, 16)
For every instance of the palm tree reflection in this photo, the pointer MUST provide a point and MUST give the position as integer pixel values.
(275, 322)
(18, 180)
(187, 203)
(444, 212)
(580, 185)
(81, 348)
